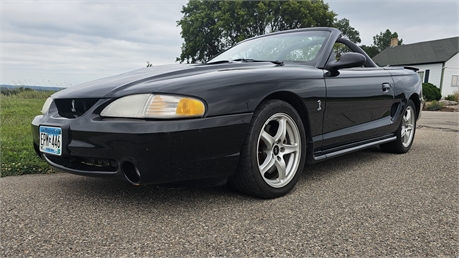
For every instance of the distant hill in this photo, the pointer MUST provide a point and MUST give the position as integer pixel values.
(38, 88)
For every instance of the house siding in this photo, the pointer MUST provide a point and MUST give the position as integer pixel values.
(451, 68)
(434, 74)
(440, 57)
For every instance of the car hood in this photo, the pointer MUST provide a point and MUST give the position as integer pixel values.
(151, 79)
(106, 86)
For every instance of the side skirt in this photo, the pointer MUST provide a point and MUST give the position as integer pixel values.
(353, 148)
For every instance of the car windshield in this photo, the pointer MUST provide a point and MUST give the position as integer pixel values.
(302, 47)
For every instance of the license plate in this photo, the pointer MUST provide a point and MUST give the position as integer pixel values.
(51, 140)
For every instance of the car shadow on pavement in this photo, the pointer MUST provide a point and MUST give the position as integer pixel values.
(341, 164)
(110, 190)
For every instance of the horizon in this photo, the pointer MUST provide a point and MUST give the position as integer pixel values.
(34, 86)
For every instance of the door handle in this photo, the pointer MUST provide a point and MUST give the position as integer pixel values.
(386, 86)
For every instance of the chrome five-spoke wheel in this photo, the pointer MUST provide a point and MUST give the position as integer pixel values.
(407, 130)
(279, 150)
(273, 153)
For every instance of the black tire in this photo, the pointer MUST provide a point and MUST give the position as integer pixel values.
(405, 132)
(275, 144)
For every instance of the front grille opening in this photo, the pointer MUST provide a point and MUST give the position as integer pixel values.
(86, 164)
(100, 163)
(73, 108)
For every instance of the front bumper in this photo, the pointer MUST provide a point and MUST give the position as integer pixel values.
(145, 151)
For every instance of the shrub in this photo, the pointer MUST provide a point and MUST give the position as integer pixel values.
(450, 97)
(14, 91)
(430, 92)
(453, 97)
(24, 93)
(435, 105)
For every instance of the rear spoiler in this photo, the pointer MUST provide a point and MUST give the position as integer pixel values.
(411, 68)
(389, 67)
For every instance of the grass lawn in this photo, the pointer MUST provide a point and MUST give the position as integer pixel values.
(16, 114)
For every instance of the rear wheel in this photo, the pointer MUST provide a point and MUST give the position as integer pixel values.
(405, 132)
(273, 154)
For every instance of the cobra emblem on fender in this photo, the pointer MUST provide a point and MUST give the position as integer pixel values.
(73, 106)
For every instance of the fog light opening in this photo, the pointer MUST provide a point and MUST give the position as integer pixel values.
(131, 172)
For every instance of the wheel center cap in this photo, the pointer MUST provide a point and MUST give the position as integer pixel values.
(276, 150)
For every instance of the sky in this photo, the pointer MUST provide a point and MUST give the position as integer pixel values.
(66, 43)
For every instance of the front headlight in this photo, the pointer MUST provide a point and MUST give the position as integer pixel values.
(46, 106)
(154, 106)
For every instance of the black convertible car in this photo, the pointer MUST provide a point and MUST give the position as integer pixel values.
(252, 116)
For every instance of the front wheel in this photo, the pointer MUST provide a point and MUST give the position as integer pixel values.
(405, 132)
(273, 153)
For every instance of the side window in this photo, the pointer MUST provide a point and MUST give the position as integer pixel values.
(343, 46)
(341, 49)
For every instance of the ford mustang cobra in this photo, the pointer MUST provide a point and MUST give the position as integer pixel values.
(252, 116)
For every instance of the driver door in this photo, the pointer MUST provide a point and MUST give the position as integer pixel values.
(358, 105)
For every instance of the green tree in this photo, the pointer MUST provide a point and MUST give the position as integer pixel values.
(382, 40)
(348, 31)
(372, 51)
(209, 27)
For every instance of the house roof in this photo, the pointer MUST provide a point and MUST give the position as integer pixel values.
(436, 51)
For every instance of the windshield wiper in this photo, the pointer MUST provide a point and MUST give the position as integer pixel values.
(246, 60)
(219, 62)
(255, 60)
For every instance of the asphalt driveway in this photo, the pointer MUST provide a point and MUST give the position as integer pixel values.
(367, 203)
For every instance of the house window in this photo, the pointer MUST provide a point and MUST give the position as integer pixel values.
(455, 81)
(426, 77)
(421, 75)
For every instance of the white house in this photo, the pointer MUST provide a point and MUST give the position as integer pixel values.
(437, 61)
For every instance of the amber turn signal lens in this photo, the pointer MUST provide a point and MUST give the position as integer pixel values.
(190, 107)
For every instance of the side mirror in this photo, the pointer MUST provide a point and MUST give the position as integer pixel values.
(347, 60)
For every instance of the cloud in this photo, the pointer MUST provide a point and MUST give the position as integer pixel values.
(414, 21)
(80, 41)
(71, 42)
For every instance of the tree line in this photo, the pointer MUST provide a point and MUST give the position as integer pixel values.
(211, 26)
